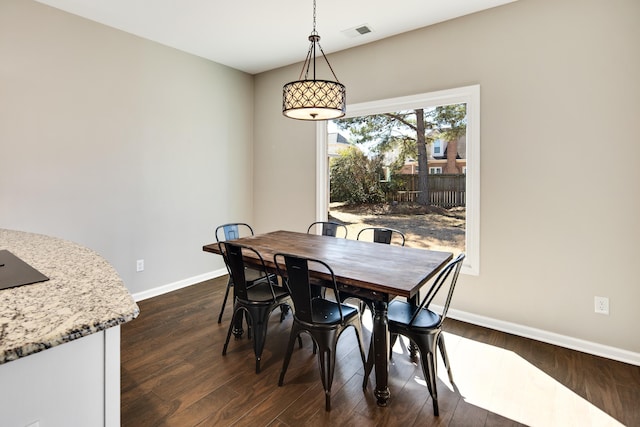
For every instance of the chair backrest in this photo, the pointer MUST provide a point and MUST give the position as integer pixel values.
(383, 235)
(447, 278)
(233, 231)
(329, 228)
(296, 272)
(233, 255)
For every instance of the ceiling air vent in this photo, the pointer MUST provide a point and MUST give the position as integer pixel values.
(358, 31)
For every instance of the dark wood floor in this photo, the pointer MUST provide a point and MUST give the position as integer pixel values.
(173, 374)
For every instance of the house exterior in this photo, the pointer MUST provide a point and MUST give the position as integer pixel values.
(437, 161)
(335, 143)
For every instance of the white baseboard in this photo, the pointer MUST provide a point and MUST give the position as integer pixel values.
(589, 347)
(596, 349)
(160, 290)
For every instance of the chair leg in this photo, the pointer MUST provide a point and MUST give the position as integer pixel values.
(327, 344)
(368, 367)
(432, 380)
(259, 319)
(392, 341)
(358, 328)
(287, 357)
(327, 359)
(224, 300)
(357, 325)
(429, 372)
(284, 309)
(230, 331)
(445, 357)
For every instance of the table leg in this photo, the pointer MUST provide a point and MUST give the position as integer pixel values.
(381, 351)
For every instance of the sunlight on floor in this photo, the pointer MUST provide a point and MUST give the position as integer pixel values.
(504, 383)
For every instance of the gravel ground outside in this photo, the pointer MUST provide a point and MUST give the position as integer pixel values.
(424, 227)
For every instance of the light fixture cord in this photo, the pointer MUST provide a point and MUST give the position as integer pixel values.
(314, 18)
(311, 54)
(315, 40)
(327, 61)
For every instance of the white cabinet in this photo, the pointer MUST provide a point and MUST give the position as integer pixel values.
(69, 385)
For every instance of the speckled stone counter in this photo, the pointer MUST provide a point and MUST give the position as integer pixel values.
(84, 295)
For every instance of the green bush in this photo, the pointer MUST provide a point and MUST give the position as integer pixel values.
(355, 178)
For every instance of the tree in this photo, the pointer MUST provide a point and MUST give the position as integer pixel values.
(404, 130)
(408, 131)
(451, 121)
(355, 178)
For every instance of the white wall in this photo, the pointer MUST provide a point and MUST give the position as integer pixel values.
(559, 152)
(131, 148)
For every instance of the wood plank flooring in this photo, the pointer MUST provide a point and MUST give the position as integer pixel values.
(173, 374)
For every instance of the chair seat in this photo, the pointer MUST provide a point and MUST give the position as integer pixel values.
(261, 292)
(326, 312)
(400, 314)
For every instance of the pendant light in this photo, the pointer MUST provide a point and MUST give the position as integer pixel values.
(310, 98)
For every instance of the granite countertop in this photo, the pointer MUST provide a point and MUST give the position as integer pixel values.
(83, 295)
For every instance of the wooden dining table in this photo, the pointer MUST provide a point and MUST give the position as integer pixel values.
(373, 271)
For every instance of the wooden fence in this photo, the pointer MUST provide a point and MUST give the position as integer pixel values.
(446, 191)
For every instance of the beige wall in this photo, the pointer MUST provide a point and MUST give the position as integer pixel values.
(138, 150)
(559, 82)
(118, 143)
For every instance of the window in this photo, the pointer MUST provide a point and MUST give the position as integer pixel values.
(437, 148)
(386, 177)
(435, 170)
(469, 95)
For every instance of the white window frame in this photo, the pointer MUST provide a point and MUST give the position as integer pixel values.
(435, 170)
(467, 94)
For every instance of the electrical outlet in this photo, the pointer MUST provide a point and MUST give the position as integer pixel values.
(140, 265)
(601, 305)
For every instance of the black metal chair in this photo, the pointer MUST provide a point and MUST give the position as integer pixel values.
(329, 228)
(424, 327)
(324, 320)
(232, 231)
(382, 235)
(257, 301)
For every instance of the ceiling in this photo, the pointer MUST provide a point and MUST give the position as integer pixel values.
(259, 35)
